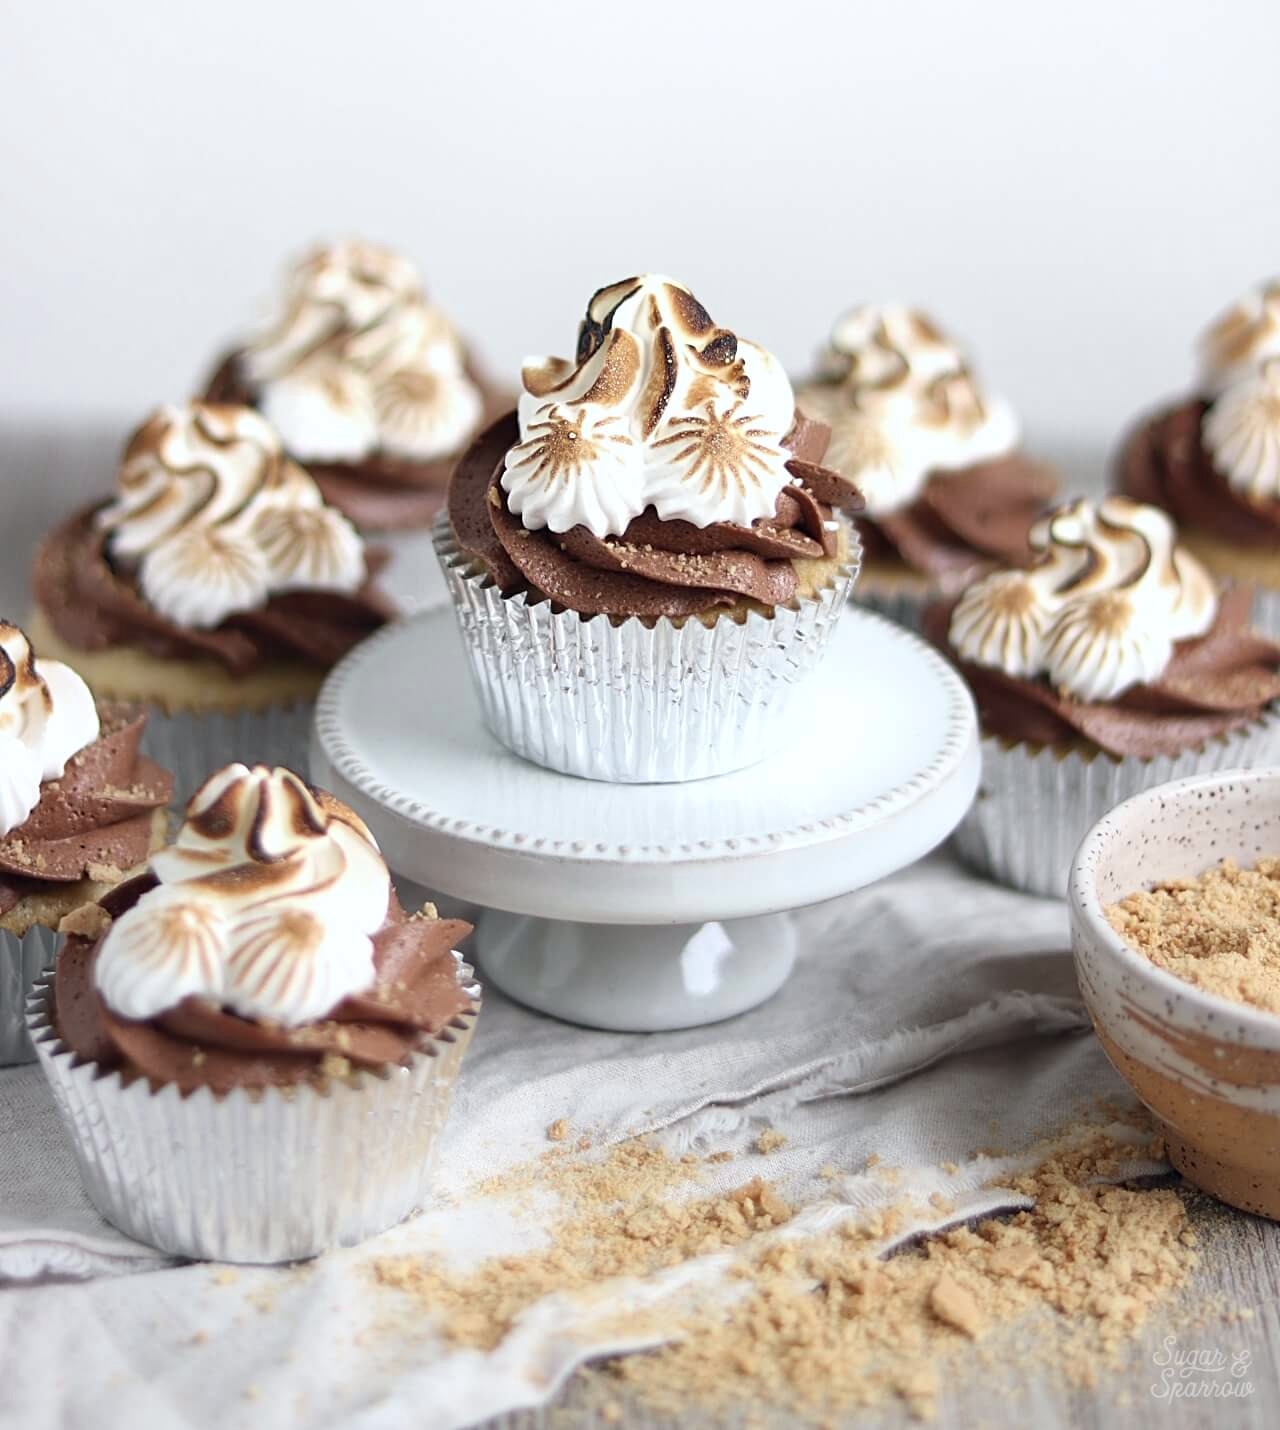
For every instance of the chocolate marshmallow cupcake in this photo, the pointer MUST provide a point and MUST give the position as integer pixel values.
(216, 588)
(949, 492)
(252, 1045)
(645, 556)
(1213, 459)
(79, 808)
(368, 384)
(1113, 663)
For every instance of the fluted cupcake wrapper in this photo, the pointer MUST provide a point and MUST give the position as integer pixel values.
(22, 961)
(193, 744)
(278, 1174)
(636, 702)
(1035, 804)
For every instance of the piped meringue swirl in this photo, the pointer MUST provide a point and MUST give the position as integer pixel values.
(357, 361)
(661, 408)
(47, 715)
(663, 472)
(216, 520)
(266, 904)
(903, 403)
(264, 944)
(1100, 609)
(1241, 433)
(1241, 340)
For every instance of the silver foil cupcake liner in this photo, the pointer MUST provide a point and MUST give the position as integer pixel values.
(636, 702)
(193, 744)
(1035, 805)
(257, 1177)
(23, 959)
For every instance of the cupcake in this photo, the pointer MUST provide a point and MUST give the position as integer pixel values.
(216, 588)
(252, 1046)
(79, 808)
(644, 556)
(1113, 663)
(949, 494)
(1213, 459)
(368, 384)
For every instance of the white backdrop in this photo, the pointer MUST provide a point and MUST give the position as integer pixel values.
(1074, 189)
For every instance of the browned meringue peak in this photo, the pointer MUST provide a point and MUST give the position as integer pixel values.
(266, 938)
(214, 520)
(1244, 337)
(1099, 610)
(903, 403)
(356, 362)
(1215, 684)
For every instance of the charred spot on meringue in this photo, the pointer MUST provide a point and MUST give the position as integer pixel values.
(661, 384)
(691, 315)
(618, 373)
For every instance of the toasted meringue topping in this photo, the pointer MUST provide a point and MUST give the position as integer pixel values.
(1241, 432)
(662, 408)
(1099, 611)
(217, 520)
(266, 906)
(47, 714)
(1241, 340)
(357, 361)
(902, 403)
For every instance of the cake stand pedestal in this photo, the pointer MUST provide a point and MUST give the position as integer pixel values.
(647, 907)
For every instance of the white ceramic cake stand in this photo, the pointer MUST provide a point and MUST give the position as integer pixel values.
(647, 907)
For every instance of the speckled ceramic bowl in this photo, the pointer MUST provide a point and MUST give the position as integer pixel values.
(1208, 1069)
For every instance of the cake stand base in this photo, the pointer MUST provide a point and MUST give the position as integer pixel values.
(637, 978)
(566, 877)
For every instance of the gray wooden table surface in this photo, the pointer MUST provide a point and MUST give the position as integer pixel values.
(47, 467)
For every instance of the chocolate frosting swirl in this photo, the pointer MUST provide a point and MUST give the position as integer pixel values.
(418, 996)
(965, 521)
(99, 818)
(655, 568)
(93, 605)
(1220, 682)
(382, 491)
(1164, 461)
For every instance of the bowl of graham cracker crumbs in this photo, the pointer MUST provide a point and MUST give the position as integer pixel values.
(1175, 918)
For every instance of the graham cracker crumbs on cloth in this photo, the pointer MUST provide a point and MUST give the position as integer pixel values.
(558, 1130)
(815, 1323)
(770, 1140)
(1220, 932)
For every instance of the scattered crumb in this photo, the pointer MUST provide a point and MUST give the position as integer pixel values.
(824, 1322)
(89, 921)
(955, 1307)
(334, 1066)
(225, 1276)
(770, 1140)
(558, 1130)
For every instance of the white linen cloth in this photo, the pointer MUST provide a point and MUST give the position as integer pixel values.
(928, 1016)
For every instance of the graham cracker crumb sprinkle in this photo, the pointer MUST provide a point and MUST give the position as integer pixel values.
(770, 1140)
(1220, 932)
(823, 1322)
(558, 1130)
(89, 921)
